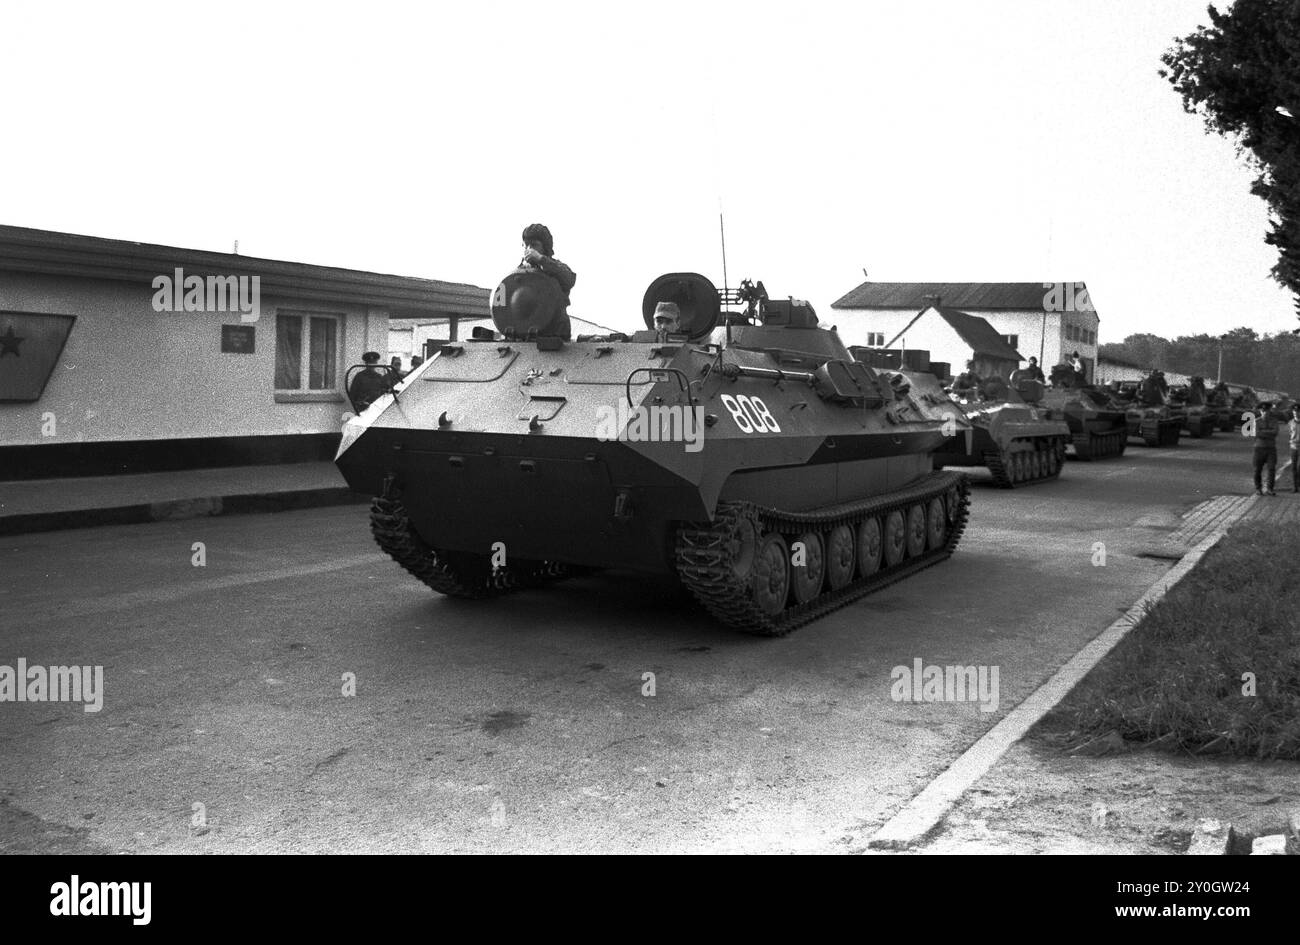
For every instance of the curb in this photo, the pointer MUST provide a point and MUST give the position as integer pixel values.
(927, 810)
(177, 509)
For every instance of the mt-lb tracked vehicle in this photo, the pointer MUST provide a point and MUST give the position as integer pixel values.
(1014, 436)
(1098, 428)
(1200, 419)
(1148, 415)
(775, 476)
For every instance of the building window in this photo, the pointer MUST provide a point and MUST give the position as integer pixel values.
(875, 339)
(306, 352)
(1013, 340)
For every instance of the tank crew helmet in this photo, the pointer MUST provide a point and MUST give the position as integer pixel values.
(370, 357)
(537, 233)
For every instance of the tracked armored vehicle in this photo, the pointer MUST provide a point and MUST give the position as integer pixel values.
(1147, 414)
(1236, 400)
(773, 475)
(1219, 400)
(1098, 429)
(1200, 419)
(1011, 435)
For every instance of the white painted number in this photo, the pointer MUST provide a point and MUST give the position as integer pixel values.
(761, 411)
(751, 414)
(737, 413)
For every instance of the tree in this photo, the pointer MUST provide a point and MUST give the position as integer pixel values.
(1269, 361)
(1239, 75)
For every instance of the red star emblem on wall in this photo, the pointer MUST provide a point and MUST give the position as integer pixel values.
(10, 342)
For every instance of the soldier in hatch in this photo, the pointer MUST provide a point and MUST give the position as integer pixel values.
(668, 320)
(967, 385)
(539, 253)
(368, 385)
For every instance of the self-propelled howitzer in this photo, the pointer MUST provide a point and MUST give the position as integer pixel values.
(773, 475)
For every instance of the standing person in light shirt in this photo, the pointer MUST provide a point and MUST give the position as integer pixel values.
(1294, 428)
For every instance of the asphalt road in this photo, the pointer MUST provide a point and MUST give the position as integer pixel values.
(521, 724)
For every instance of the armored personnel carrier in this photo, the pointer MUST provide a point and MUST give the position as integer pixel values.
(1200, 419)
(1097, 427)
(1012, 436)
(1237, 400)
(1219, 400)
(773, 475)
(1147, 414)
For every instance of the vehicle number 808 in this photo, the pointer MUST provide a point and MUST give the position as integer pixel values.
(750, 413)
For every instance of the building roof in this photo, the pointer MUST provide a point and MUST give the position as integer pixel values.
(93, 257)
(979, 296)
(982, 337)
(406, 324)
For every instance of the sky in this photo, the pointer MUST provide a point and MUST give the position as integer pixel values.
(921, 141)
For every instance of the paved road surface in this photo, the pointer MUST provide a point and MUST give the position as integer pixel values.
(520, 724)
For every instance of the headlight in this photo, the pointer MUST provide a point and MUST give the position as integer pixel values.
(351, 430)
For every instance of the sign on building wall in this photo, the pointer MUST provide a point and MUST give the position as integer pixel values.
(30, 347)
(237, 339)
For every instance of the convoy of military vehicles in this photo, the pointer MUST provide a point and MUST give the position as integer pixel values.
(742, 451)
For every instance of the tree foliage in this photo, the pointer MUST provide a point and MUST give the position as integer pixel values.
(1269, 361)
(1236, 73)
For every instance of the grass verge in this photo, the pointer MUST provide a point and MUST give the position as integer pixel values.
(1182, 674)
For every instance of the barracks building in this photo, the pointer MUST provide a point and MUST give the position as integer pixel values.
(118, 356)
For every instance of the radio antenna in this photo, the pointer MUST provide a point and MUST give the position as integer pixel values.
(722, 230)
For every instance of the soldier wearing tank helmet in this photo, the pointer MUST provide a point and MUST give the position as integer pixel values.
(539, 253)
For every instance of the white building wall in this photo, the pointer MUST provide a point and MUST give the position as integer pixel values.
(931, 333)
(130, 373)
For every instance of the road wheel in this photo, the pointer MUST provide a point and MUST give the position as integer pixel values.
(915, 530)
(936, 523)
(743, 548)
(895, 538)
(841, 557)
(806, 579)
(771, 586)
(870, 545)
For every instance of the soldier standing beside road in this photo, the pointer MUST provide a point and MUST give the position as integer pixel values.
(1266, 430)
